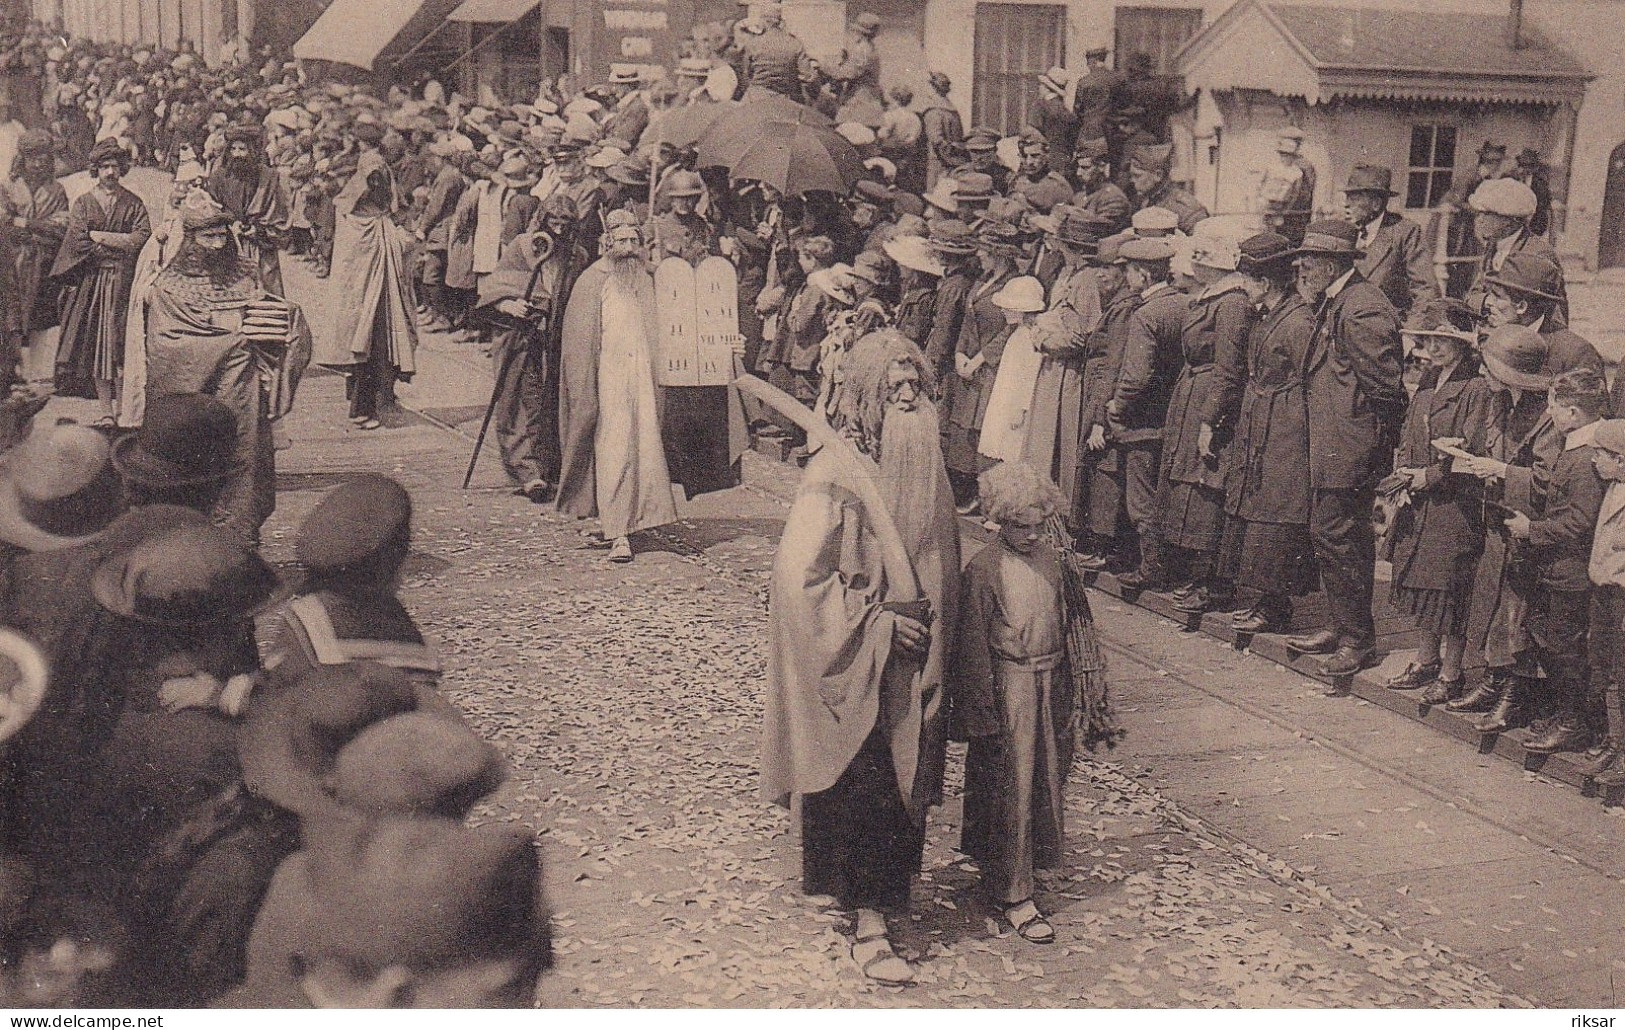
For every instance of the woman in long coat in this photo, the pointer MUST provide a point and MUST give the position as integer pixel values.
(1192, 488)
(1265, 544)
(1436, 540)
(982, 337)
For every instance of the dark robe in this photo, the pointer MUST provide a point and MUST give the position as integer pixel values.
(46, 209)
(258, 207)
(97, 297)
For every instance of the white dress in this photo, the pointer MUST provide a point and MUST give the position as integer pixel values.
(1007, 420)
(633, 484)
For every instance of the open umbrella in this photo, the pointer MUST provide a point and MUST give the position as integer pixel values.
(785, 144)
(683, 126)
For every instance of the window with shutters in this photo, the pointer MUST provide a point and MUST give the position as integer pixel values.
(1432, 165)
(1015, 43)
(1158, 31)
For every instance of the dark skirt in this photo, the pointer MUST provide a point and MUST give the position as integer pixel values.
(92, 345)
(1103, 513)
(1275, 558)
(1192, 516)
(695, 429)
(858, 844)
(1442, 612)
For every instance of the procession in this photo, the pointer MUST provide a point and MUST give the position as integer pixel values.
(774, 523)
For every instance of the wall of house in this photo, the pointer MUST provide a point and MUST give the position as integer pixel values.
(1340, 136)
(1588, 29)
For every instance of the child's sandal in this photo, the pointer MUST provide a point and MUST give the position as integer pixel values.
(1030, 923)
(880, 963)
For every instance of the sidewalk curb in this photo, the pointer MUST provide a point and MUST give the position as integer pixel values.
(1367, 686)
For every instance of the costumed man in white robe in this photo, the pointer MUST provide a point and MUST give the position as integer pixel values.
(614, 462)
(212, 328)
(865, 598)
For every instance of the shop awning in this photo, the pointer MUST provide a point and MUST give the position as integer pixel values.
(1327, 53)
(362, 32)
(493, 12)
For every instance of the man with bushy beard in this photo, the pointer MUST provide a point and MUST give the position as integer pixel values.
(212, 328)
(245, 186)
(38, 209)
(614, 461)
(859, 628)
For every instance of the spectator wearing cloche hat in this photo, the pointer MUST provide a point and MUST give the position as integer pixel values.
(1005, 420)
(1216, 327)
(1435, 544)
(1502, 210)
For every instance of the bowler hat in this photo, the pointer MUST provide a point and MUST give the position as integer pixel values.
(186, 439)
(185, 577)
(1529, 274)
(1264, 252)
(1515, 356)
(1331, 236)
(1371, 179)
(59, 489)
(354, 523)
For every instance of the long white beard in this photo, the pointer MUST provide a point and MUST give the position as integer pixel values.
(911, 471)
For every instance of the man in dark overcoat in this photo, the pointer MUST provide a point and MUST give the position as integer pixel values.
(1356, 404)
(1527, 291)
(1396, 258)
(1152, 357)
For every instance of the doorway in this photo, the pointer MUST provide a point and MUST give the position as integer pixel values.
(1611, 241)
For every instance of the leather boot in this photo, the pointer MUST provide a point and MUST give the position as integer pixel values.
(1442, 691)
(1482, 697)
(1320, 642)
(1565, 733)
(1606, 760)
(1508, 712)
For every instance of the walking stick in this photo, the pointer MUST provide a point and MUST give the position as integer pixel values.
(490, 410)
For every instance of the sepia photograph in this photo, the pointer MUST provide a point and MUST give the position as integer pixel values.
(872, 505)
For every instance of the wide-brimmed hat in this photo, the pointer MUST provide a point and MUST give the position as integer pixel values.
(1154, 221)
(1507, 197)
(605, 157)
(913, 252)
(1331, 236)
(973, 188)
(1055, 82)
(416, 763)
(951, 236)
(1148, 249)
(1023, 293)
(58, 489)
(629, 173)
(683, 184)
(834, 282)
(185, 439)
(871, 192)
(418, 894)
(188, 576)
(1215, 250)
(294, 731)
(1264, 252)
(625, 74)
(1371, 179)
(1529, 274)
(1442, 316)
(1515, 355)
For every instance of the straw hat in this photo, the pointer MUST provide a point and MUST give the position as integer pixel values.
(913, 252)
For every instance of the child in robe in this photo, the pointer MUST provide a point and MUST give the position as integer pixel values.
(1010, 695)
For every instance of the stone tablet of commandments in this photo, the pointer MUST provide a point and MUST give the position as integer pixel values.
(678, 360)
(717, 296)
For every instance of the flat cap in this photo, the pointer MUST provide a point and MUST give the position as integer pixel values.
(1507, 197)
(354, 523)
(1155, 248)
